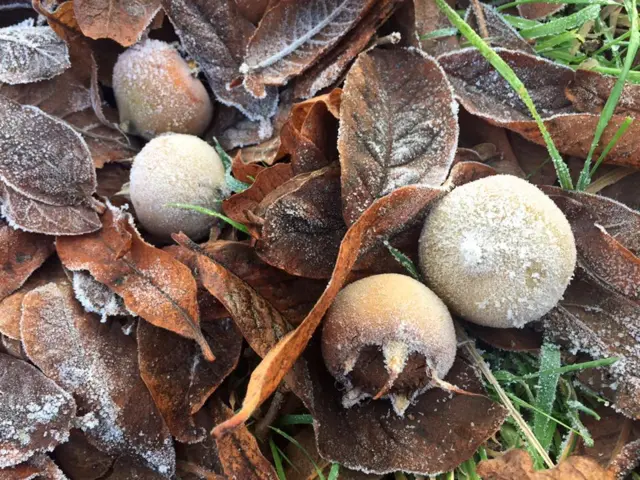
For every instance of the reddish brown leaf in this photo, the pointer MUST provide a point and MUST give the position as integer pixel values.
(216, 35)
(239, 452)
(386, 217)
(483, 92)
(327, 70)
(589, 92)
(436, 434)
(465, 172)
(533, 11)
(20, 254)
(252, 10)
(427, 17)
(35, 413)
(39, 466)
(303, 226)
(121, 20)
(293, 35)
(236, 206)
(408, 138)
(79, 459)
(179, 379)
(98, 364)
(151, 282)
(247, 163)
(12, 347)
(518, 464)
(501, 33)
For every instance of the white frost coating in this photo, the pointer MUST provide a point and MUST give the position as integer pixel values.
(177, 168)
(157, 93)
(498, 252)
(400, 316)
(96, 297)
(30, 54)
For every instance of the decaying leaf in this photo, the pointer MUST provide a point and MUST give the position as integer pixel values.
(216, 35)
(328, 69)
(409, 137)
(40, 466)
(98, 364)
(533, 11)
(436, 434)
(30, 54)
(21, 253)
(95, 297)
(510, 339)
(35, 413)
(589, 92)
(303, 226)
(239, 452)
(386, 217)
(151, 282)
(292, 36)
(483, 92)
(501, 33)
(127, 468)
(179, 378)
(427, 17)
(79, 459)
(518, 464)
(121, 20)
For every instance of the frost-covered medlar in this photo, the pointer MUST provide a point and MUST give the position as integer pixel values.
(387, 335)
(498, 251)
(156, 92)
(176, 168)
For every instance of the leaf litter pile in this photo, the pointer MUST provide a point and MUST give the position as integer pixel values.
(220, 220)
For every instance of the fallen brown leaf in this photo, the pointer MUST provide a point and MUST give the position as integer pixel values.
(79, 459)
(386, 217)
(179, 379)
(427, 17)
(126, 468)
(39, 466)
(151, 282)
(35, 414)
(247, 162)
(121, 20)
(21, 253)
(409, 138)
(518, 464)
(533, 11)
(589, 92)
(98, 364)
(501, 33)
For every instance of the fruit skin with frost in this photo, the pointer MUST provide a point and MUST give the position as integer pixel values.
(498, 251)
(157, 93)
(387, 335)
(176, 168)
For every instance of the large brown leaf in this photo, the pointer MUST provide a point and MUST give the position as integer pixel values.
(216, 35)
(20, 254)
(293, 35)
(386, 217)
(589, 92)
(484, 92)
(53, 169)
(303, 227)
(40, 466)
(398, 126)
(35, 413)
(151, 282)
(79, 459)
(98, 364)
(501, 33)
(121, 20)
(518, 464)
(178, 377)
(426, 18)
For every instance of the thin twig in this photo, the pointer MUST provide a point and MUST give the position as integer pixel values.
(262, 426)
(609, 178)
(482, 22)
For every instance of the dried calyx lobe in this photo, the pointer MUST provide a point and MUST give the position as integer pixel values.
(387, 336)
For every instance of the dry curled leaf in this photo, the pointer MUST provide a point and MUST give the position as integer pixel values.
(47, 172)
(408, 138)
(239, 452)
(35, 413)
(121, 20)
(292, 36)
(151, 282)
(98, 364)
(30, 54)
(216, 35)
(386, 217)
(589, 92)
(21, 253)
(179, 379)
(501, 33)
(484, 92)
(303, 226)
(79, 459)
(518, 464)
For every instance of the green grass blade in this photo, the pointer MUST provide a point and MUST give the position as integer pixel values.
(277, 460)
(334, 472)
(562, 24)
(234, 184)
(566, 2)
(616, 92)
(624, 126)
(441, 32)
(302, 419)
(520, 22)
(509, 75)
(403, 260)
(546, 394)
(302, 449)
(603, 362)
(213, 213)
